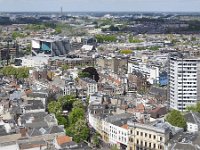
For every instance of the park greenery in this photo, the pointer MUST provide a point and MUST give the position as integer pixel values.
(36, 27)
(43, 26)
(134, 40)
(154, 48)
(18, 73)
(95, 140)
(74, 123)
(106, 38)
(17, 34)
(64, 67)
(176, 118)
(83, 74)
(194, 108)
(126, 51)
(89, 72)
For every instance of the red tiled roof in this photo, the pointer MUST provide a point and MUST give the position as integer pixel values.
(140, 108)
(63, 139)
(125, 126)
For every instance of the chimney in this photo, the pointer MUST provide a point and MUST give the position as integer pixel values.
(23, 132)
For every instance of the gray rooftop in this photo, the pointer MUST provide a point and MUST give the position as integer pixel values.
(88, 80)
(118, 117)
(193, 117)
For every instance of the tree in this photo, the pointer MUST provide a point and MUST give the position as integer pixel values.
(83, 74)
(78, 104)
(113, 28)
(64, 67)
(154, 48)
(28, 48)
(194, 108)
(62, 120)
(79, 131)
(58, 30)
(175, 118)
(114, 147)
(22, 72)
(106, 38)
(134, 40)
(126, 51)
(18, 73)
(67, 101)
(75, 114)
(55, 107)
(95, 140)
(93, 74)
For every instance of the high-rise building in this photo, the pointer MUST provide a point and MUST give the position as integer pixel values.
(184, 86)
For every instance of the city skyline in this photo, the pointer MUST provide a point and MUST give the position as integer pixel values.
(101, 5)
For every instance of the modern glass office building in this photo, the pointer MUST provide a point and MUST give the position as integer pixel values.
(55, 47)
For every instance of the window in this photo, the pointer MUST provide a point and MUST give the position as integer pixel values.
(149, 135)
(137, 132)
(154, 137)
(131, 131)
(154, 145)
(149, 145)
(160, 138)
(145, 134)
(130, 148)
(137, 141)
(141, 134)
(131, 139)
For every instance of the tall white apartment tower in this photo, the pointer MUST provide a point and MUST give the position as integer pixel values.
(184, 85)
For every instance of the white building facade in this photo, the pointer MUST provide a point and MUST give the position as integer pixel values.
(184, 86)
(151, 72)
(118, 135)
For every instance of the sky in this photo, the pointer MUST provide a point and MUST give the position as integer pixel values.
(101, 5)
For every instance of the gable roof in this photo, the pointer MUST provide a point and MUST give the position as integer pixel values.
(56, 129)
(63, 139)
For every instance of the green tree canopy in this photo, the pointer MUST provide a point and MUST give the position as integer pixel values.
(78, 104)
(79, 131)
(134, 40)
(91, 73)
(16, 34)
(67, 101)
(194, 108)
(62, 120)
(175, 118)
(83, 74)
(95, 140)
(55, 107)
(65, 67)
(106, 38)
(21, 72)
(75, 114)
(154, 48)
(126, 51)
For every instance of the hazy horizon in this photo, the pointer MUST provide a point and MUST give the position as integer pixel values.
(100, 5)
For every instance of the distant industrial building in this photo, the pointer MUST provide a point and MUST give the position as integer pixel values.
(52, 47)
(70, 61)
(29, 61)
